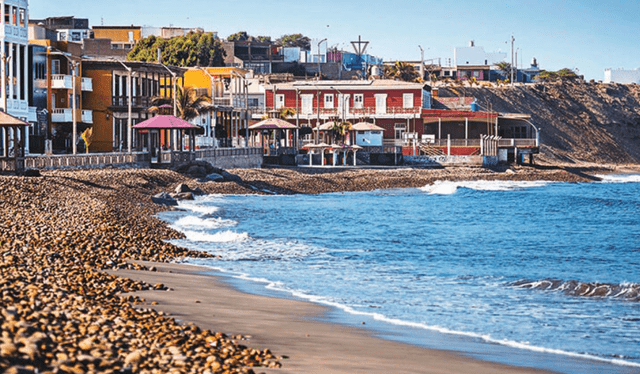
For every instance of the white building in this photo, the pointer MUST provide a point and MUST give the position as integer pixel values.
(14, 54)
(622, 76)
(476, 56)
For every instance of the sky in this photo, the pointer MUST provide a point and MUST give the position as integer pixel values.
(584, 35)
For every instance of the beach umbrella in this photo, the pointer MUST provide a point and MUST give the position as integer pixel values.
(273, 124)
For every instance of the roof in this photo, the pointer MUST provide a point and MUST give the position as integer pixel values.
(366, 126)
(165, 122)
(272, 123)
(111, 64)
(375, 84)
(433, 115)
(7, 120)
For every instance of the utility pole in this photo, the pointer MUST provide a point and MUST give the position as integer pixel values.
(512, 40)
(421, 62)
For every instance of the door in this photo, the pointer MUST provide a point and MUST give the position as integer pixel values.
(307, 104)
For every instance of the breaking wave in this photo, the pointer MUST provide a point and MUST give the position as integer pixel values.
(623, 291)
(619, 178)
(449, 188)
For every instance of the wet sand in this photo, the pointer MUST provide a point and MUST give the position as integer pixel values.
(294, 328)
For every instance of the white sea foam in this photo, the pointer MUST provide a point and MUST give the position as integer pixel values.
(277, 286)
(448, 187)
(193, 222)
(619, 178)
(218, 237)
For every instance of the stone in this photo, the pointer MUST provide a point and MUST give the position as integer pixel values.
(182, 188)
(184, 196)
(164, 198)
(215, 177)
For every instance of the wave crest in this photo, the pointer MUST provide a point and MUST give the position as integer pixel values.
(624, 291)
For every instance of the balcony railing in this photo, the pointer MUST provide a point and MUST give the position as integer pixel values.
(87, 84)
(87, 116)
(354, 112)
(61, 81)
(62, 115)
(137, 101)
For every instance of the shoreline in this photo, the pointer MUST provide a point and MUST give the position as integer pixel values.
(300, 330)
(60, 234)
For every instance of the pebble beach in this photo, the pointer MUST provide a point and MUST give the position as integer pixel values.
(71, 242)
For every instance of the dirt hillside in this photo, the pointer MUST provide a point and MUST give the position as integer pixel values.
(578, 122)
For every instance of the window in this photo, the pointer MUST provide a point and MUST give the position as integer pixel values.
(55, 66)
(381, 103)
(279, 101)
(358, 101)
(307, 104)
(328, 100)
(22, 17)
(131, 36)
(399, 130)
(7, 14)
(14, 16)
(76, 36)
(407, 100)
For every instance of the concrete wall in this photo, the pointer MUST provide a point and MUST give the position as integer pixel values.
(232, 158)
(621, 76)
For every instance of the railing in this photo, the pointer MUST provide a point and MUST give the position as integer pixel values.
(352, 112)
(455, 143)
(137, 101)
(12, 165)
(222, 101)
(87, 84)
(87, 116)
(85, 161)
(62, 115)
(61, 81)
(517, 143)
(226, 152)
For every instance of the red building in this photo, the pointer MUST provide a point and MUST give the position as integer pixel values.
(395, 106)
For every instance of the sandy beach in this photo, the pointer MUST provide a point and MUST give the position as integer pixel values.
(292, 328)
(74, 246)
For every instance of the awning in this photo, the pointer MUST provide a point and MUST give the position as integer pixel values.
(165, 122)
(273, 124)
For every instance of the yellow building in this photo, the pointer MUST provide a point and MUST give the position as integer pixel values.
(122, 37)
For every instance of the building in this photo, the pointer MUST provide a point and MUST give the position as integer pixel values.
(67, 29)
(474, 62)
(622, 76)
(252, 55)
(392, 105)
(14, 54)
(122, 98)
(121, 37)
(228, 88)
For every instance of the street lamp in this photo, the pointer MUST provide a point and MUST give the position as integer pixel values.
(173, 79)
(74, 65)
(319, 69)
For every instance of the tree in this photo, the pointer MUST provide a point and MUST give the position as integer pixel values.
(402, 71)
(193, 49)
(560, 75)
(504, 67)
(189, 104)
(340, 129)
(294, 40)
(87, 136)
(243, 36)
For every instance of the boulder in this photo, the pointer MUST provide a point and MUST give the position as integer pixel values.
(32, 173)
(215, 177)
(184, 196)
(228, 177)
(197, 171)
(164, 198)
(182, 188)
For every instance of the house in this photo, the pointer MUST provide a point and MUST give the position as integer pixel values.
(622, 76)
(123, 94)
(252, 55)
(121, 37)
(474, 62)
(14, 54)
(392, 105)
(228, 88)
(67, 29)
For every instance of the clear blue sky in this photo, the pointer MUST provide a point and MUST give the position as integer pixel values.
(589, 35)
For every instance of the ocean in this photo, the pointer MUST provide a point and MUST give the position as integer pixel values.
(535, 274)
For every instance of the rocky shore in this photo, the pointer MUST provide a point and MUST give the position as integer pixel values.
(62, 312)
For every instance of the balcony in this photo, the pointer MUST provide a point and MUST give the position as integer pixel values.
(87, 84)
(33, 115)
(62, 115)
(87, 116)
(61, 81)
(389, 112)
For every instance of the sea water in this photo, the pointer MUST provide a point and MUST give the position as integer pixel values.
(533, 268)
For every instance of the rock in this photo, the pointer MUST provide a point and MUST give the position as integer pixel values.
(182, 188)
(197, 171)
(183, 196)
(164, 198)
(228, 177)
(215, 177)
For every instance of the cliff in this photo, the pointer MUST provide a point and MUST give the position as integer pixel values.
(578, 122)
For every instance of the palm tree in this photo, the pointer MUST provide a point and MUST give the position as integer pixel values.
(340, 129)
(189, 104)
(402, 71)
